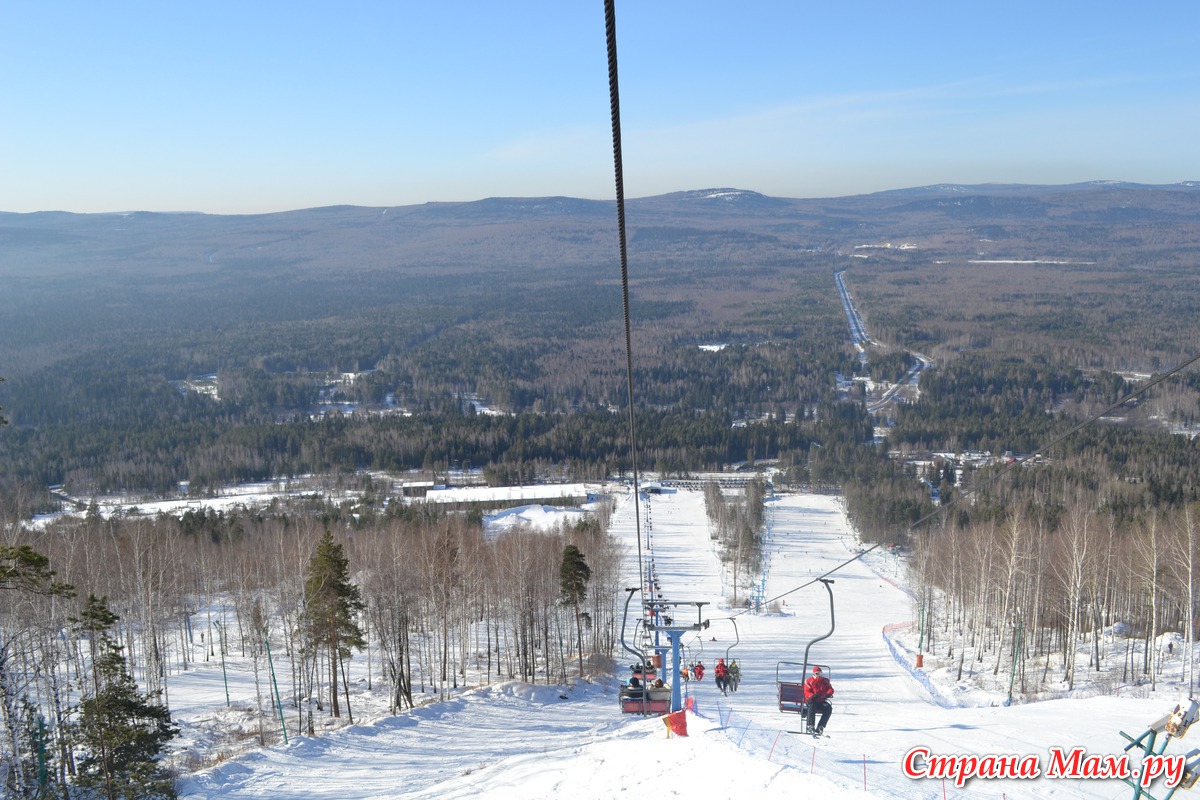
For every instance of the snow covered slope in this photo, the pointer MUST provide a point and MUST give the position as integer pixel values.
(513, 740)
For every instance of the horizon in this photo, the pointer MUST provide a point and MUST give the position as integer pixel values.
(1186, 183)
(235, 109)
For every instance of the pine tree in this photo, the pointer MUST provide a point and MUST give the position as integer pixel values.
(25, 569)
(27, 764)
(331, 605)
(122, 732)
(574, 575)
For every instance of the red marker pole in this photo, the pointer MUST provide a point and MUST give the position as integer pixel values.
(773, 745)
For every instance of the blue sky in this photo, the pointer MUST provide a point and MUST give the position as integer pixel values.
(252, 106)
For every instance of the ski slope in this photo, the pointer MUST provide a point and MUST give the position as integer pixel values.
(514, 740)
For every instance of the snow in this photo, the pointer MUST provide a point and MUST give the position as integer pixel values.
(540, 518)
(247, 495)
(263, 494)
(482, 494)
(512, 740)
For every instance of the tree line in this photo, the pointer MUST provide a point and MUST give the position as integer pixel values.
(207, 454)
(736, 524)
(1130, 464)
(1035, 592)
(420, 601)
(1027, 568)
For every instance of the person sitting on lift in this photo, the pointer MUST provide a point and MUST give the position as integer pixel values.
(817, 691)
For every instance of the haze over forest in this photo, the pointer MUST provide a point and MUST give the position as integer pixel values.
(513, 305)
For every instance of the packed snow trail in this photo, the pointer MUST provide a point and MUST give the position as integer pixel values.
(509, 741)
(880, 710)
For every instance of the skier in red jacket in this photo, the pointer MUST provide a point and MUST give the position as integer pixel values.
(817, 691)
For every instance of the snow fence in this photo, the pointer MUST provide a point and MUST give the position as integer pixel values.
(788, 746)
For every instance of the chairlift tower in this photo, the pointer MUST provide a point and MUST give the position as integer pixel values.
(659, 618)
(666, 624)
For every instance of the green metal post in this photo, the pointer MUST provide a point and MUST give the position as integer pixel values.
(921, 636)
(1016, 652)
(43, 777)
(224, 674)
(275, 683)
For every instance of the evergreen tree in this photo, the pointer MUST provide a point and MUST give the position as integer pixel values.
(27, 764)
(331, 604)
(123, 733)
(574, 575)
(26, 569)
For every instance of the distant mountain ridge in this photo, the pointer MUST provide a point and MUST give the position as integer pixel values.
(563, 232)
(54, 263)
(1032, 188)
(728, 196)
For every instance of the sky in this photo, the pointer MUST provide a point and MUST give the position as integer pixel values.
(512, 740)
(234, 107)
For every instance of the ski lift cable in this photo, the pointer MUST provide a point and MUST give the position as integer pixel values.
(811, 581)
(610, 25)
(1062, 437)
(992, 479)
(610, 29)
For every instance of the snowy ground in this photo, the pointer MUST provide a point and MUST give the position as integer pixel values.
(513, 740)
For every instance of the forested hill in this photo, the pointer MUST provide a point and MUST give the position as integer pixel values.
(113, 326)
(73, 283)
